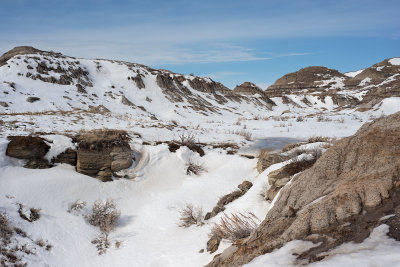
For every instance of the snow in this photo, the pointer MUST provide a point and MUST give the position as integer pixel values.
(395, 61)
(365, 81)
(58, 144)
(353, 73)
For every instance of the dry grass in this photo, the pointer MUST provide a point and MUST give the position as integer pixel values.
(246, 134)
(191, 215)
(235, 227)
(188, 140)
(193, 168)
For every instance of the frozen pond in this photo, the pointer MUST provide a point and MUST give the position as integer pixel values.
(270, 143)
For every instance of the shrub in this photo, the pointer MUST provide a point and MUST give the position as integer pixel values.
(34, 214)
(191, 215)
(187, 140)
(235, 227)
(194, 168)
(105, 215)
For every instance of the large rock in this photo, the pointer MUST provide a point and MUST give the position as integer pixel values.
(266, 159)
(342, 198)
(279, 178)
(101, 153)
(26, 147)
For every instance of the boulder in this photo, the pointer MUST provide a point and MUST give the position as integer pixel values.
(101, 153)
(266, 159)
(26, 147)
(213, 244)
(341, 198)
(32, 99)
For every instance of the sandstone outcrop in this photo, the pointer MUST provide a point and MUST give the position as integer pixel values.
(266, 159)
(26, 147)
(101, 153)
(250, 89)
(342, 198)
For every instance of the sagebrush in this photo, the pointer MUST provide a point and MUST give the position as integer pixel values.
(191, 215)
(234, 227)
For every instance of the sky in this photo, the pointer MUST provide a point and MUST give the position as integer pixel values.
(229, 41)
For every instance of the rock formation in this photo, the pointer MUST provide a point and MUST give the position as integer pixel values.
(102, 153)
(340, 199)
(32, 148)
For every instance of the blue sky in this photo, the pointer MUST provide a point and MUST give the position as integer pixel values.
(230, 41)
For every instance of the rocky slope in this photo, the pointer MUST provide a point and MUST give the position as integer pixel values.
(49, 81)
(342, 198)
(363, 89)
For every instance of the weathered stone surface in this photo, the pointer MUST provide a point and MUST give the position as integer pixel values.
(250, 89)
(38, 164)
(340, 199)
(266, 159)
(101, 153)
(3, 104)
(32, 99)
(26, 147)
(80, 89)
(68, 156)
(139, 81)
(213, 244)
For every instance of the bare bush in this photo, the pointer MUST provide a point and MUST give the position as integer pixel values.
(191, 215)
(34, 214)
(235, 227)
(105, 215)
(194, 168)
(77, 206)
(188, 140)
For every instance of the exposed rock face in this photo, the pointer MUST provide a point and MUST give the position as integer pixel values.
(26, 147)
(383, 80)
(279, 178)
(32, 99)
(226, 199)
(38, 164)
(19, 50)
(3, 104)
(306, 78)
(340, 199)
(266, 159)
(250, 89)
(68, 156)
(100, 154)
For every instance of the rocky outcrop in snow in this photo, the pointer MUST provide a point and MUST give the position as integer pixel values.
(342, 198)
(102, 153)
